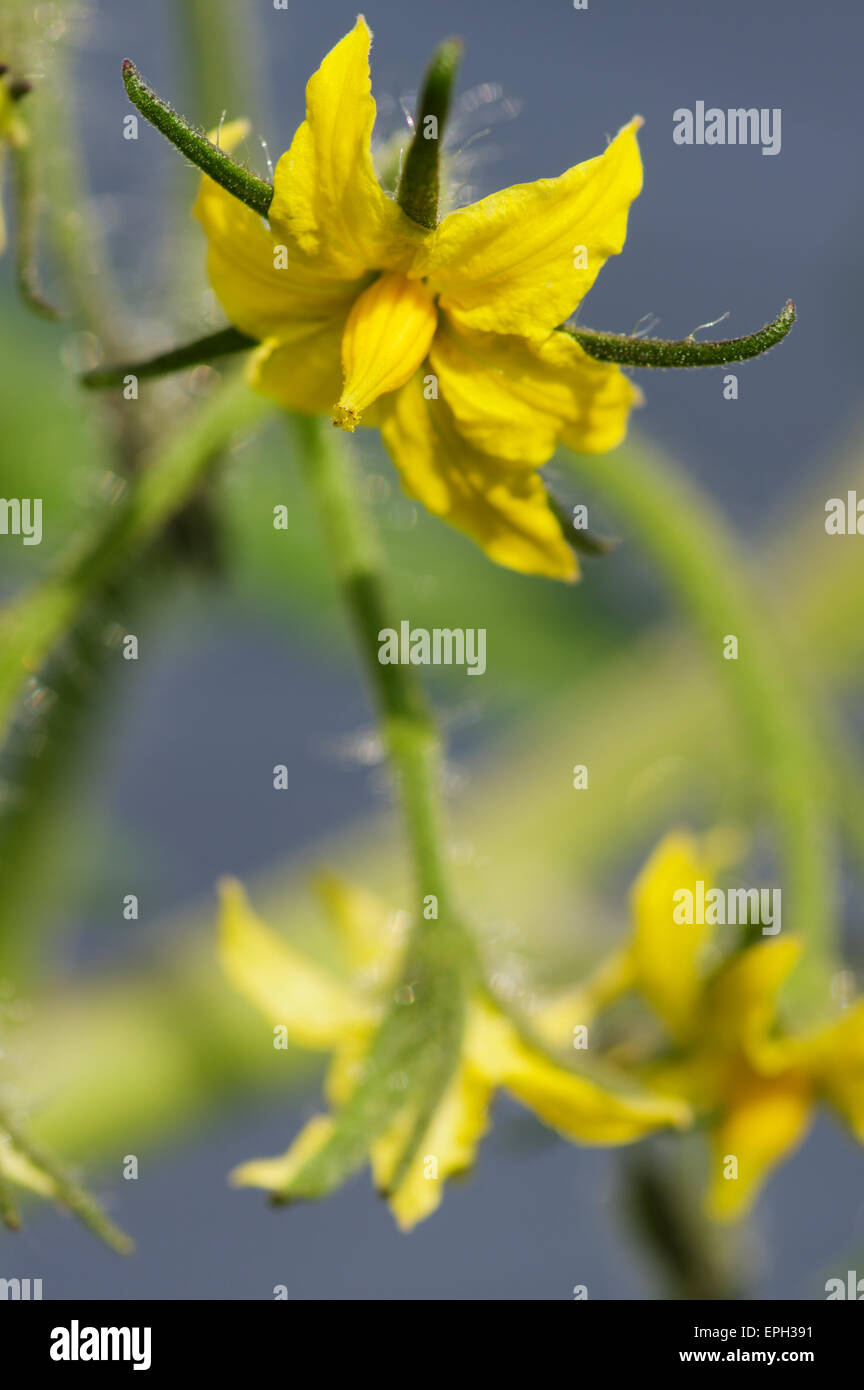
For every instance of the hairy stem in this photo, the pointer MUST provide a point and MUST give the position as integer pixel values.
(439, 955)
(418, 190)
(214, 162)
(683, 352)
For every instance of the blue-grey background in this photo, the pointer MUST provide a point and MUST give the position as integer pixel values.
(179, 770)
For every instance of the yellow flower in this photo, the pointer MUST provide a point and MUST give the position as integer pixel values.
(443, 339)
(320, 1011)
(755, 1086)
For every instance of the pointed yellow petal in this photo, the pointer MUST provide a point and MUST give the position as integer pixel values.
(834, 1056)
(578, 1107)
(292, 991)
(370, 934)
(555, 1020)
(502, 507)
(521, 260)
(300, 369)
(328, 205)
(449, 1146)
(513, 398)
(667, 954)
(346, 1069)
(386, 337)
(276, 1173)
(740, 1003)
(766, 1120)
(261, 287)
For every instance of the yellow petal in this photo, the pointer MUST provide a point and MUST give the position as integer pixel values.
(834, 1055)
(292, 991)
(448, 1147)
(261, 287)
(387, 336)
(741, 999)
(369, 932)
(521, 260)
(328, 205)
(557, 1017)
(513, 397)
(667, 954)
(276, 1173)
(765, 1120)
(300, 369)
(346, 1069)
(578, 1107)
(503, 508)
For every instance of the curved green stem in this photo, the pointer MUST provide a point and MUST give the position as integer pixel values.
(690, 545)
(683, 352)
(214, 162)
(439, 955)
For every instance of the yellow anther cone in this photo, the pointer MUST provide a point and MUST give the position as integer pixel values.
(388, 333)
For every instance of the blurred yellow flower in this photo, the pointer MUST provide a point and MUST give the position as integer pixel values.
(318, 1010)
(444, 339)
(755, 1087)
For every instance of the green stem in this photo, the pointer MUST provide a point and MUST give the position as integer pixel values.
(27, 210)
(685, 352)
(418, 190)
(214, 162)
(207, 349)
(661, 1208)
(408, 730)
(69, 1192)
(439, 956)
(689, 543)
(31, 625)
(8, 1211)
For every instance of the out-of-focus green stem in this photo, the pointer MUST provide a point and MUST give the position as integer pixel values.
(210, 348)
(31, 625)
(408, 730)
(688, 542)
(665, 1216)
(221, 55)
(8, 1212)
(67, 1190)
(425, 1037)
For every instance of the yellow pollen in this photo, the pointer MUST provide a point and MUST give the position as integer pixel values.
(387, 335)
